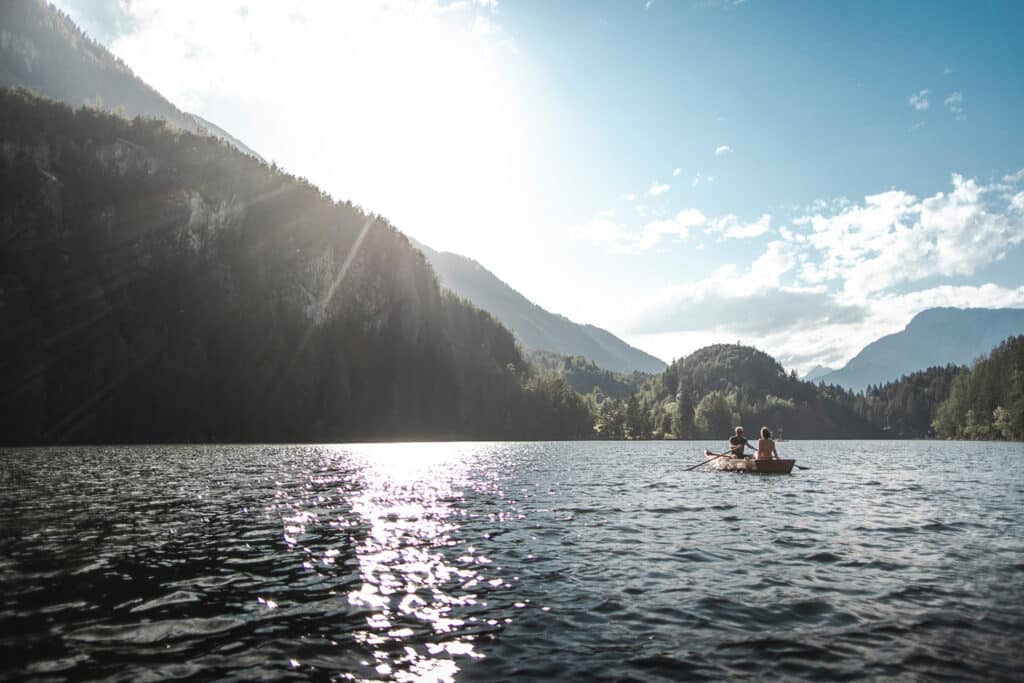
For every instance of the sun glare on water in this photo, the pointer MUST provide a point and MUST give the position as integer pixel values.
(401, 515)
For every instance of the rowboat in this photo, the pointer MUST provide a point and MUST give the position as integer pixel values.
(730, 464)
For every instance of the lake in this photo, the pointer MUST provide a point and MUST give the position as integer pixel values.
(500, 561)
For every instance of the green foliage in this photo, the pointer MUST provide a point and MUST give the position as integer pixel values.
(905, 408)
(585, 376)
(983, 402)
(718, 387)
(987, 401)
(714, 415)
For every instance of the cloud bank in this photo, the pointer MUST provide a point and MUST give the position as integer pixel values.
(844, 274)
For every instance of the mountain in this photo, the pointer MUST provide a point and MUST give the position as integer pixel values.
(534, 327)
(816, 372)
(202, 126)
(159, 286)
(935, 337)
(585, 376)
(42, 50)
(709, 392)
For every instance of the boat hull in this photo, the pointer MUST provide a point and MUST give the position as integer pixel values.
(751, 465)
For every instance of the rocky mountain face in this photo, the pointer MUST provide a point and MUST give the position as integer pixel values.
(535, 328)
(935, 337)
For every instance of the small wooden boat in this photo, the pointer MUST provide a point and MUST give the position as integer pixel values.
(731, 464)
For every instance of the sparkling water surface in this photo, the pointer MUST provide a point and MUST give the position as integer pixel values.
(502, 561)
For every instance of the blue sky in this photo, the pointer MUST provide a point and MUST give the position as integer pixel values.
(803, 177)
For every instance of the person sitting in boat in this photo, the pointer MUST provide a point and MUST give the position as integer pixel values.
(766, 447)
(738, 443)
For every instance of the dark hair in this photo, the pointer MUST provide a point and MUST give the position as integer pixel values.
(765, 434)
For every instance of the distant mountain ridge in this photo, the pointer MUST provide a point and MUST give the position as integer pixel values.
(817, 371)
(534, 327)
(42, 50)
(935, 337)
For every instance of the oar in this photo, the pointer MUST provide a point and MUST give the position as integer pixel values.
(707, 460)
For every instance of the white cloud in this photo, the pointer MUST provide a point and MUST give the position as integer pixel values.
(690, 218)
(894, 238)
(737, 302)
(489, 4)
(955, 104)
(484, 26)
(722, 149)
(777, 260)
(619, 238)
(731, 227)
(677, 171)
(602, 228)
(1014, 177)
(696, 180)
(838, 278)
(657, 189)
(919, 100)
(678, 227)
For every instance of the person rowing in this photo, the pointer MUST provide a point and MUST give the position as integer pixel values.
(738, 443)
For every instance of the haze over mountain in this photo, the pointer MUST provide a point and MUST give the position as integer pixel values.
(935, 337)
(534, 327)
(816, 372)
(42, 50)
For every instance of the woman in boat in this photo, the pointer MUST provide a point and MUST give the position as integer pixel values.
(766, 447)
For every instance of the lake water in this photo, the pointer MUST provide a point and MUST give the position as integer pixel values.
(500, 561)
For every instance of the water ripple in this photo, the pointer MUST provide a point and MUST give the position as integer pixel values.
(510, 562)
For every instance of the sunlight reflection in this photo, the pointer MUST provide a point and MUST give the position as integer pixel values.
(406, 501)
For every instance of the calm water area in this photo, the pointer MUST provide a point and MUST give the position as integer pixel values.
(512, 561)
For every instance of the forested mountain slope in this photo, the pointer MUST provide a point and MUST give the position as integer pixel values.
(984, 401)
(733, 384)
(158, 286)
(43, 50)
(987, 402)
(534, 327)
(906, 408)
(709, 392)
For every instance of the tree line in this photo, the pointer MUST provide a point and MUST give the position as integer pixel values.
(707, 393)
(984, 401)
